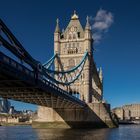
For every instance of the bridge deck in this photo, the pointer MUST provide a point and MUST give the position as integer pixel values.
(19, 83)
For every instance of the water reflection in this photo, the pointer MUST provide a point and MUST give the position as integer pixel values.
(124, 132)
(17, 133)
(73, 134)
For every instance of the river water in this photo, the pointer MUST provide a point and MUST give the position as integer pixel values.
(124, 132)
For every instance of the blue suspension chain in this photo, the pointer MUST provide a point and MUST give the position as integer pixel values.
(63, 74)
(50, 61)
(71, 70)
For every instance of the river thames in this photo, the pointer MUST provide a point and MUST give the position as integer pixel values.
(124, 132)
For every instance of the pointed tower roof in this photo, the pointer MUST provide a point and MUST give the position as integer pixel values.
(88, 27)
(75, 16)
(101, 74)
(74, 22)
(57, 29)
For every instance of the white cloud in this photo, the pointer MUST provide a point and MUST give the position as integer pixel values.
(101, 24)
(97, 37)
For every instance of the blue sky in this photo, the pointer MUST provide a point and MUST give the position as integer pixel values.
(33, 23)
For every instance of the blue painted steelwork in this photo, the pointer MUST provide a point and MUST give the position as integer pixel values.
(44, 70)
(50, 62)
(41, 75)
(72, 69)
(15, 47)
(67, 72)
(11, 68)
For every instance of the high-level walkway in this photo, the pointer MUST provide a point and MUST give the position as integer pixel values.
(19, 83)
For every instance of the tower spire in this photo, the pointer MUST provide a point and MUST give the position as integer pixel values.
(88, 27)
(101, 74)
(74, 16)
(57, 29)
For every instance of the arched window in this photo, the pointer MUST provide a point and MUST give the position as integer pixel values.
(70, 37)
(74, 50)
(74, 36)
(62, 36)
(78, 34)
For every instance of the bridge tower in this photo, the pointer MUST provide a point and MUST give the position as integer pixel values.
(71, 44)
(74, 49)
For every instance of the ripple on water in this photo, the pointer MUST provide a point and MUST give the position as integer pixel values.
(124, 132)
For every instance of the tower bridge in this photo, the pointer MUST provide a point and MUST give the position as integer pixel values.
(68, 88)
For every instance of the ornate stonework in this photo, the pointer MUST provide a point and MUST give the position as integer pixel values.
(70, 45)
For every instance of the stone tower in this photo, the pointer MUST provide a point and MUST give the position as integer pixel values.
(70, 45)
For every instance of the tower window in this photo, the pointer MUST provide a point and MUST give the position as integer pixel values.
(76, 50)
(78, 34)
(62, 36)
(72, 50)
(74, 36)
(70, 36)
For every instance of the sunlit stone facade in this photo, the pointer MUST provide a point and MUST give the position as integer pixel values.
(71, 44)
(128, 112)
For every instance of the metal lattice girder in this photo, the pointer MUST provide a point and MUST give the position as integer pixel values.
(15, 46)
(18, 50)
(49, 62)
(41, 92)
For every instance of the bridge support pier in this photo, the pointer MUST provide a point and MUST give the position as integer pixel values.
(95, 115)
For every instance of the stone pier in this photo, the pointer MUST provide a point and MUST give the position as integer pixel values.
(95, 115)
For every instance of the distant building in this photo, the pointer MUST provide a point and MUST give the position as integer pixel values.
(12, 110)
(4, 105)
(128, 112)
(27, 112)
(4, 119)
(8, 114)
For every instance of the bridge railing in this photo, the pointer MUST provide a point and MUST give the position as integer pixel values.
(49, 83)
